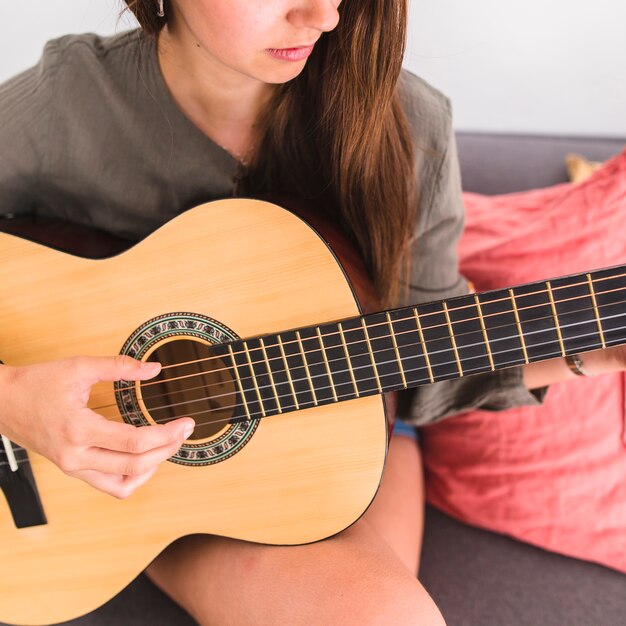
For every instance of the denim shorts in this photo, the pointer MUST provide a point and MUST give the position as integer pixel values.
(405, 430)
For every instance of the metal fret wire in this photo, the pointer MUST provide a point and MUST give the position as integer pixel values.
(360, 342)
(417, 369)
(404, 319)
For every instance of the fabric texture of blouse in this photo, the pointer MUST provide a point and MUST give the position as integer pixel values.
(92, 134)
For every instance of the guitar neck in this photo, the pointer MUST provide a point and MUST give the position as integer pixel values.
(412, 346)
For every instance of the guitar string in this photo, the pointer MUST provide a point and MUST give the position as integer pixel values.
(360, 343)
(396, 334)
(517, 298)
(461, 308)
(418, 343)
(467, 306)
(393, 361)
(19, 461)
(447, 350)
(259, 415)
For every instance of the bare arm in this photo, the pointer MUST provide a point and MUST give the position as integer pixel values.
(556, 370)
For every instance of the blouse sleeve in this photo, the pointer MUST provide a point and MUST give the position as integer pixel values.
(434, 275)
(23, 131)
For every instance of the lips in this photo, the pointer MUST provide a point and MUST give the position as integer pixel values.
(291, 54)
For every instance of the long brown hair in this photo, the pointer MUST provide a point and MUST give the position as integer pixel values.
(336, 135)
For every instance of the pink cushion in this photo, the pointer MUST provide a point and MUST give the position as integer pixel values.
(554, 475)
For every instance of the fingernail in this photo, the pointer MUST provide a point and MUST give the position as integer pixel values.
(188, 430)
(150, 365)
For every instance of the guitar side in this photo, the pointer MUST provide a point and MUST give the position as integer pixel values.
(302, 476)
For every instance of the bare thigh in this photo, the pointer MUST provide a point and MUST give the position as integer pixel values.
(397, 513)
(364, 575)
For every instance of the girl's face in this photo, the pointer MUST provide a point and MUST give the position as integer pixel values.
(255, 38)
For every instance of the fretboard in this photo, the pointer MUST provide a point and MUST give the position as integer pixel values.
(412, 346)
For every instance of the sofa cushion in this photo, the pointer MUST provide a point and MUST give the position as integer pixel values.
(479, 578)
(503, 163)
(554, 475)
(579, 168)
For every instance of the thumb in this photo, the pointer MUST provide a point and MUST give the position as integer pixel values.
(120, 367)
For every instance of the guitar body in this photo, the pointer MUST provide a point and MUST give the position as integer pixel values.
(302, 476)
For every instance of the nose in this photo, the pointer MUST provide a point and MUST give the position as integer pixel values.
(323, 15)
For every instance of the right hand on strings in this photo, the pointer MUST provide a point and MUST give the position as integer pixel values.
(44, 409)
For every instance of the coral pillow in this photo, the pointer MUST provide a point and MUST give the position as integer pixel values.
(553, 475)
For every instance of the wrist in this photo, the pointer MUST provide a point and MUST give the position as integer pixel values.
(599, 362)
(576, 365)
(543, 373)
(7, 374)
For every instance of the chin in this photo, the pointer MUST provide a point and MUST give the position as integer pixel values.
(284, 76)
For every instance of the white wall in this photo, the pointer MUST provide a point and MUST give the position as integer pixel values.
(545, 66)
(27, 24)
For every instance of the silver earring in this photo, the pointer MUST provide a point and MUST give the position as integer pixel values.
(161, 11)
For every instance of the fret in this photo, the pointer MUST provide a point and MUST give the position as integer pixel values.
(239, 384)
(339, 366)
(610, 294)
(556, 318)
(452, 339)
(577, 321)
(537, 320)
(323, 349)
(254, 380)
(387, 362)
(359, 356)
(279, 392)
(410, 352)
(287, 365)
(437, 337)
(284, 357)
(395, 348)
(347, 355)
(418, 323)
(297, 369)
(315, 361)
(369, 349)
(592, 293)
(483, 329)
(473, 352)
(306, 368)
(506, 338)
(253, 377)
(519, 325)
(279, 408)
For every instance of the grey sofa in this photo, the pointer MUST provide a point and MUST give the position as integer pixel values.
(477, 578)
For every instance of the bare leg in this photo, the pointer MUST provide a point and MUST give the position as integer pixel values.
(364, 575)
(397, 513)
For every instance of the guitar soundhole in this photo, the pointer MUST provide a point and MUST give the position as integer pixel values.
(193, 382)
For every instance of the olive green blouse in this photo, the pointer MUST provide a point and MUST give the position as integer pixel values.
(92, 134)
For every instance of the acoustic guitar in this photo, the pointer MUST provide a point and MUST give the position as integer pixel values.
(265, 343)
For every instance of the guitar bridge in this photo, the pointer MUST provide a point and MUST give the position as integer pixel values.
(18, 485)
